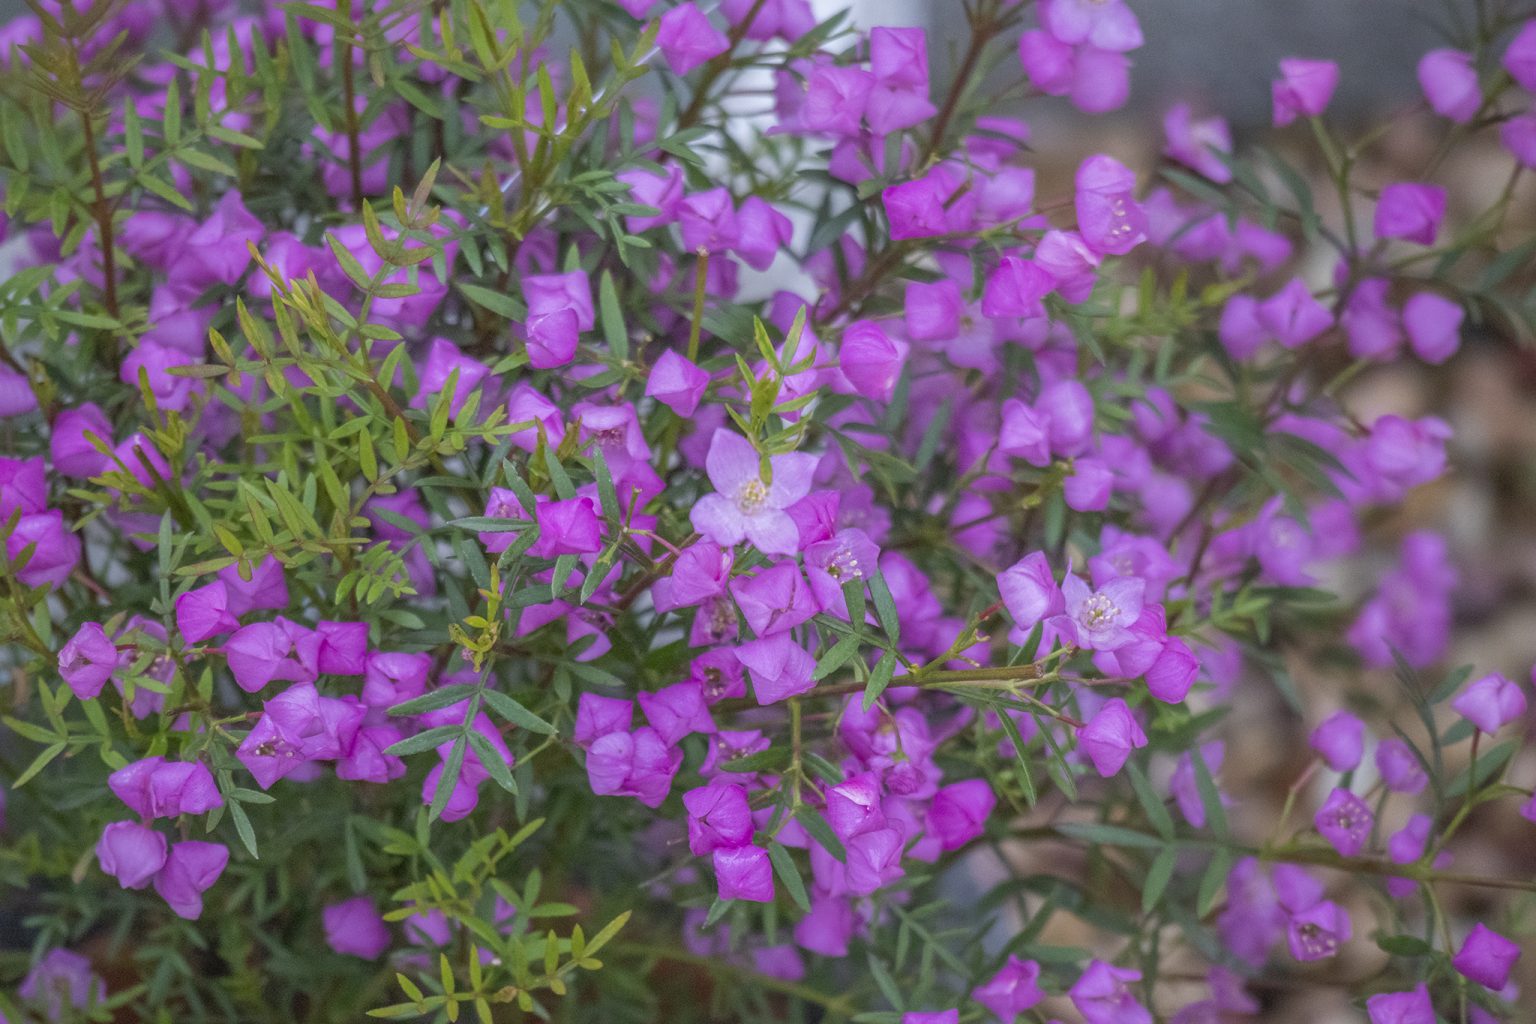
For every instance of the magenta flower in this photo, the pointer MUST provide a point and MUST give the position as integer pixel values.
(854, 807)
(1185, 786)
(343, 649)
(1102, 994)
(677, 383)
(130, 852)
(568, 527)
(1412, 1007)
(916, 208)
(828, 927)
(1088, 488)
(874, 860)
(1340, 741)
(1399, 767)
(1109, 737)
(74, 444)
(637, 764)
(718, 818)
(1410, 211)
(1071, 262)
(662, 192)
(354, 928)
(1015, 289)
(1373, 327)
(1198, 144)
(267, 587)
(745, 507)
(1108, 216)
(708, 220)
(932, 311)
(1316, 932)
(1025, 433)
(780, 668)
(1239, 329)
(744, 873)
(959, 812)
(190, 870)
(676, 711)
(1029, 591)
(446, 363)
(87, 661)
(898, 57)
(1491, 702)
(1100, 620)
(157, 788)
(553, 338)
(688, 39)
(153, 362)
(871, 359)
(1518, 135)
(258, 654)
(761, 231)
(931, 1017)
(62, 980)
(1450, 84)
(1067, 408)
(204, 612)
(1173, 671)
(1292, 316)
(54, 549)
(1520, 58)
(775, 599)
(1434, 326)
(1303, 89)
(1345, 821)
(1486, 957)
(1012, 990)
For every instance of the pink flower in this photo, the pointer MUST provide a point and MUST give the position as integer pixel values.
(718, 818)
(1434, 326)
(1412, 1007)
(1486, 957)
(1410, 211)
(1198, 144)
(1520, 57)
(1101, 620)
(130, 852)
(744, 873)
(1029, 591)
(744, 505)
(204, 612)
(1316, 932)
(1450, 84)
(1340, 740)
(638, 764)
(688, 39)
(1490, 702)
(871, 360)
(88, 660)
(1102, 994)
(1105, 24)
(959, 812)
(761, 231)
(190, 870)
(932, 311)
(780, 668)
(1108, 216)
(1011, 990)
(1345, 821)
(1109, 737)
(1518, 135)
(1015, 288)
(1303, 89)
(354, 928)
(446, 363)
(157, 788)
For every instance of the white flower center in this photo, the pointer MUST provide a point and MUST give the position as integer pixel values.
(1099, 611)
(751, 496)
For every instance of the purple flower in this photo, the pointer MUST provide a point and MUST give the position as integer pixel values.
(1520, 57)
(1029, 591)
(1450, 84)
(1340, 741)
(708, 221)
(1198, 144)
(1015, 288)
(1412, 1007)
(1102, 994)
(1434, 326)
(932, 310)
(662, 192)
(1105, 24)
(1490, 702)
(828, 927)
(1068, 410)
(156, 788)
(931, 1017)
(1108, 216)
(898, 57)
(718, 818)
(874, 860)
(1345, 821)
(55, 550)
(62, 980)
(130, 852)
(1185, 786)
(1011, 990)
(1025, 433)
(744, 873)
(203, 612)
(761, 231)
(688, 39)
(676, 711)
(1373, 327)
(637, 764)
(745, 507)
(780, 668)
(88, 660)
(1316, 932)
(190, 870)
(568, 527)
(1089, 486)
(1100, 620)
(1399, 767)
(677, 383)
(959, 812)
(775, 599)
(446, 363)
(1410, 211)
(1292, 316)
(258, 654)
(916, 208)
(1109, 737)
(1518, 135)
(1303, 89)
(552, 338)
(853, 806)
(354, 928)
(1486, 957)
(597, 716)
(871, 360)
(550, 293)
(835, 99)
(73, 443)
(154, 362)
(267, 587)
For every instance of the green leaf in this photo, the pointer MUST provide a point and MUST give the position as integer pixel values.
(513, 712)
(1158, 876)
(784, 867)
(837, 656)
(885, 607)
(41, 761)
(612, 317)
(879, 678)
(817, 828)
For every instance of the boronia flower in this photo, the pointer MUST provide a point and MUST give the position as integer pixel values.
(745, 505)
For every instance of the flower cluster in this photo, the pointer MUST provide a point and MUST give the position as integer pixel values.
(735, 513)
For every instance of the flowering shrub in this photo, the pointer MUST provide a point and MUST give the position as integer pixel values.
(524, 509)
